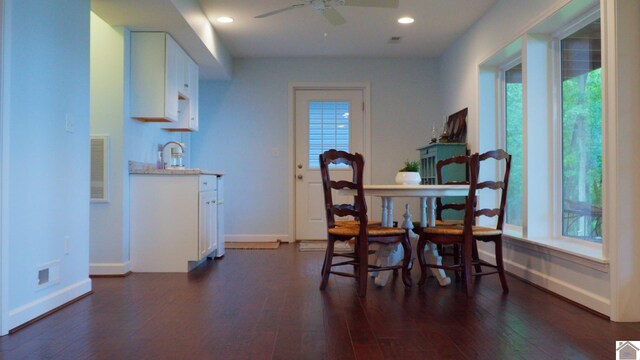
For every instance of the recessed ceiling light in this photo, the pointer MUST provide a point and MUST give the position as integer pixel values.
(225, 20)
(406, 20)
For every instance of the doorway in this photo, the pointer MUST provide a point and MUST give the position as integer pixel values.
(333, 117)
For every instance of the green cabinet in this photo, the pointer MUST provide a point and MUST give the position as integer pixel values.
(429, 157)
(432, 153)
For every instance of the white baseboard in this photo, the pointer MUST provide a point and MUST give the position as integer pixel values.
(556, 285)
(109, 268)
(256, 238)
(32, 310)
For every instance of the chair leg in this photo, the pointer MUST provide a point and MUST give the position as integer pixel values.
(456, 259)
(326, 267)
(500, 265)
(476, 257)
(467, 259)
(406, 275)
(422, 242)
(363, 266)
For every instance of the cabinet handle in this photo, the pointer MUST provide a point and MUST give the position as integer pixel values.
(213, 202)
(205, 183)
(186, 85)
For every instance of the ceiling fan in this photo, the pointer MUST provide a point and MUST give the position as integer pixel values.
(327, 8)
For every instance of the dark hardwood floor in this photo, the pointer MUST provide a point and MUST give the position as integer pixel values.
(266, 304)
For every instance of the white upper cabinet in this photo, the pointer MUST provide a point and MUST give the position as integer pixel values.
(164, 82)
(188, 95)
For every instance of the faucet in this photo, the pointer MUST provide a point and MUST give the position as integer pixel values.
(164, 163)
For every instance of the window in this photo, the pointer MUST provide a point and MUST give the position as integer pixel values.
(581, 123)
(513, 142)
(328, 128)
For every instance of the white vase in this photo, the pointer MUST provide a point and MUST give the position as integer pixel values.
(408, 178)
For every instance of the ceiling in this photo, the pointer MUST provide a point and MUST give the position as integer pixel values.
(301, 31)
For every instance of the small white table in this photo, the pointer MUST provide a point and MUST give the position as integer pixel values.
(392, 255)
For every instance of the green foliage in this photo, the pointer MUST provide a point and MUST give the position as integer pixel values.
(514, 147)
(581, 152)
(410, 166)
(582, 147)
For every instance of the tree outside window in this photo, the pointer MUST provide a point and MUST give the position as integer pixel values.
(582, 134)
(513, 128)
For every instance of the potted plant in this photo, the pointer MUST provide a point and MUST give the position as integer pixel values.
(409, 174)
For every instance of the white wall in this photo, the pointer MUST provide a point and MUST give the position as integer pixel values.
(45, 169)
(582, 281)
(243, 120)
(107, 114)
(130, 140)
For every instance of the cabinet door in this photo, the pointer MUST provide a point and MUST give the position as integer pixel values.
(207, 229)
(194, 89)
(171, 74)
(212, 236)
(204, 223)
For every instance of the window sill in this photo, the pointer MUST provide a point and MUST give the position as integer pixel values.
(577, 251)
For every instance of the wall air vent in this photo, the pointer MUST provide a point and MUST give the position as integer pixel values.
(99, 168)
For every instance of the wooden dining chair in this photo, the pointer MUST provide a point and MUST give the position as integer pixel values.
(362, 233)
(455, 207)
(441, 206)
(467, 234)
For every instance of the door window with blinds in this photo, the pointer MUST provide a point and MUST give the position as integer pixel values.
(329, 128)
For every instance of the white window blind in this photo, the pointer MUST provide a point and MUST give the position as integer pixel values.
(328, 128)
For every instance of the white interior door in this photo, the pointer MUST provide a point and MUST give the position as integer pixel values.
(324, 119)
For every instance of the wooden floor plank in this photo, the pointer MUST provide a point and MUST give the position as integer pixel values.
(266, 305)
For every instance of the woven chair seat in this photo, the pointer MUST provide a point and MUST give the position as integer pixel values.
(478, 231)
(449, 222)
(356, 223)
(371, 231)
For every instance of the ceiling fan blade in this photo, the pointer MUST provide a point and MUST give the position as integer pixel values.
(333, 16)
(278, 11)
(392, 4)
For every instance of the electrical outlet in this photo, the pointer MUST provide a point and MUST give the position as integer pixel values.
(67, 244)
(69, 124)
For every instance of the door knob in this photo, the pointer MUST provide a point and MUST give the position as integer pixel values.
(299, 177)
(299, 166)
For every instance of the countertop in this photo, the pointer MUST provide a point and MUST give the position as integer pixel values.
(136, 167)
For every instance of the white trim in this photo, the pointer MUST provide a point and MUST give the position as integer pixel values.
(577, 23)
(366, 96)
(109, 268)
(583, 254)
(32, 310)
(554, 284)
(258, 238)
(4, 176)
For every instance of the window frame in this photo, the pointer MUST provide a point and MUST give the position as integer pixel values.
(502, 124)
(556, 105)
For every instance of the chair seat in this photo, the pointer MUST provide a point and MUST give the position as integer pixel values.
(356, 223)
(478, 231)
(371, 231)
(449, 222)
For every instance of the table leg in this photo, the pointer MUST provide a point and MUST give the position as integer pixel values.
(383, 252)
(431, 251)
(393, 254)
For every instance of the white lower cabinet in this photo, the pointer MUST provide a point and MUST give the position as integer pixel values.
(173, 221)
(207, 232)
